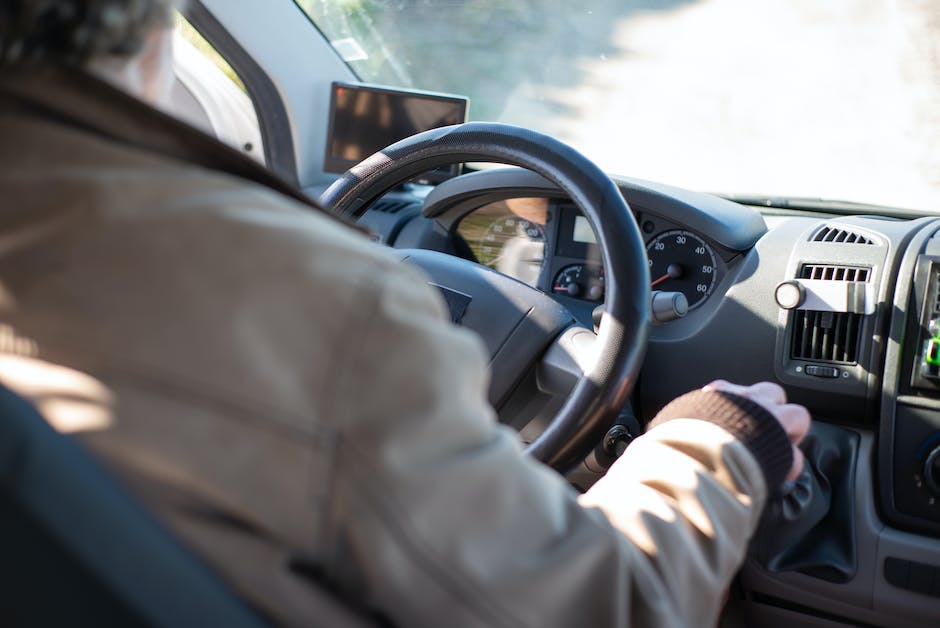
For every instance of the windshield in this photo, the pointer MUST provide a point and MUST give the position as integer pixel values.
(792, 98)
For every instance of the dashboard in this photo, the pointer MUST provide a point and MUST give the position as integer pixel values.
(842, 310)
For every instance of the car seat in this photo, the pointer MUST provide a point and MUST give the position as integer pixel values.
(76, 549)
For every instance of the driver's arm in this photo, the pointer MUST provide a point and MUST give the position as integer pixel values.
(437, 518)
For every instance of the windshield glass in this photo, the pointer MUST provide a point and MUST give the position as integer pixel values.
(793, 98)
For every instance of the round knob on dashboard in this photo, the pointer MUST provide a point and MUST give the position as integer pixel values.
(932, 471)
(789, 295)
(668, 306)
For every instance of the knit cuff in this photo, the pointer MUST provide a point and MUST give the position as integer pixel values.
(746, 420)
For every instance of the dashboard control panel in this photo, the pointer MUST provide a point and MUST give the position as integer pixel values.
(916, 468)
(546, 243)
(912, 433)
(926, 372)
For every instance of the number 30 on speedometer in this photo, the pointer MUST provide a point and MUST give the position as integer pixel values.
(681, 261)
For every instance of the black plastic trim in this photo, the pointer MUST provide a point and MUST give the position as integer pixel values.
(272, 115)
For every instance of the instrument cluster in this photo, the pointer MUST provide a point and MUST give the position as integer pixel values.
(547, 243)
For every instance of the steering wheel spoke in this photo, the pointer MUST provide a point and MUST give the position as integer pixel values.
(572, 354)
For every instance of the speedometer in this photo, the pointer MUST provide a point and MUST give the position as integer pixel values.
(680, 261)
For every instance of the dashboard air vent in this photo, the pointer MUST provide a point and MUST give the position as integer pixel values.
(391, 206)
(836, 234)
(828, 336)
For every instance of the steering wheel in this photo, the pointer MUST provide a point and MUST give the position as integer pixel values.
(519, 324)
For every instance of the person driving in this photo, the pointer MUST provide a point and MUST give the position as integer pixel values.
(285, 395)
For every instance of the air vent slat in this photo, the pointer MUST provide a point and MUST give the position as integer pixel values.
(807, 337)
(838, 343)
(841, 236)
(854, 328)
(817, 333)
(827, 319)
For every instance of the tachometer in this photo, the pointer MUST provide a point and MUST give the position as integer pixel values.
(680, 261)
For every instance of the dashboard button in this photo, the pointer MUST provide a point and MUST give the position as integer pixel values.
(932, 355)
(821, 371)
(931, 471)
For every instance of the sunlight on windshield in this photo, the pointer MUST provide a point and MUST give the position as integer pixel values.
(835, 99)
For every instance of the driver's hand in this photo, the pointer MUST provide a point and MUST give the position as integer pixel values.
(793, 417)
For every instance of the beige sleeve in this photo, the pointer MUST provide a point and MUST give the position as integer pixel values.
(438, 518)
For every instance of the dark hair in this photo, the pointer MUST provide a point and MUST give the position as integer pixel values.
(73, 31)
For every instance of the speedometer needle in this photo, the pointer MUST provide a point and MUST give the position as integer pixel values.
(673, 271)
(660, 280)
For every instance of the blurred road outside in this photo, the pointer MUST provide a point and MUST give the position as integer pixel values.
(834, 99)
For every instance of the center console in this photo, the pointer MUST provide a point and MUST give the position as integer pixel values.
(909, 452)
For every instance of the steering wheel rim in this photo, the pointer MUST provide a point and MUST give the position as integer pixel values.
(604, 389)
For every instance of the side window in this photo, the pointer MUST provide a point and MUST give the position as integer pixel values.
(209, 95)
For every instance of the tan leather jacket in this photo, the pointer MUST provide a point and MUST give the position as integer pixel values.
(284, 394)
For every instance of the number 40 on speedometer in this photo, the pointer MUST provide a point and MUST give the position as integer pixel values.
(680, 261)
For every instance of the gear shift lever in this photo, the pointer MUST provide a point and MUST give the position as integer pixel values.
(809, 526)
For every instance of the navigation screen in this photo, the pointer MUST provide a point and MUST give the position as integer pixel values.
(365, 119)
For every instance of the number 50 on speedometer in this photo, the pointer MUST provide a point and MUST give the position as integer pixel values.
(680, 261)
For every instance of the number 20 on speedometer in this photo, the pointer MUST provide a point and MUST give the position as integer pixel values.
(680, 261)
